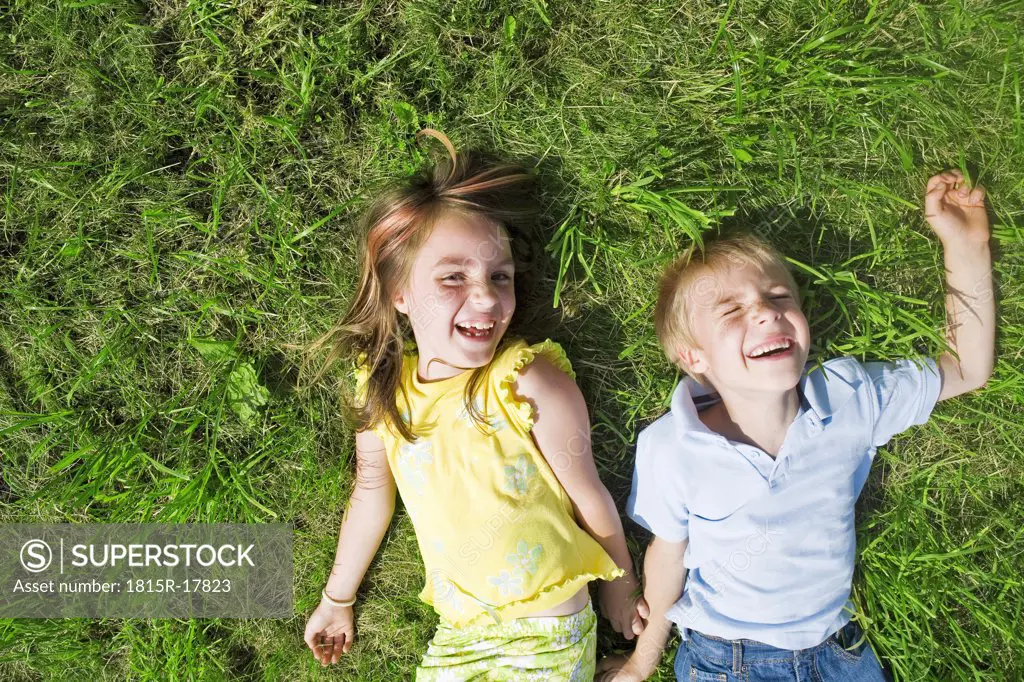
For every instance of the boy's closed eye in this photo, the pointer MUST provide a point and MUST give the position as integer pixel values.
(726, 309)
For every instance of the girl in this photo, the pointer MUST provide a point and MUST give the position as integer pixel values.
(486, 438)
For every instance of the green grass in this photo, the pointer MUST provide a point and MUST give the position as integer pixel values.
(180, 183)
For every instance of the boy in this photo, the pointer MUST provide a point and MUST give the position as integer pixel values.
(750, 481)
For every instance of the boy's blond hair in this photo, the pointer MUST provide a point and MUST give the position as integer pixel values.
(684, 276)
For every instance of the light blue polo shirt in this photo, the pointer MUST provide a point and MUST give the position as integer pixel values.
(771, 541)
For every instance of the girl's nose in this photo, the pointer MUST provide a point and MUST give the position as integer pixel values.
(484, 295)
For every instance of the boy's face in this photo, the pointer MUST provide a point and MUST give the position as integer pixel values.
(751, 333)
(460, 295)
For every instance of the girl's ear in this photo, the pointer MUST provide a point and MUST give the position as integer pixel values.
(693, 359)
(400, 303)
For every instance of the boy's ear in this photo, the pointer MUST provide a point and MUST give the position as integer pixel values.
(693, 359)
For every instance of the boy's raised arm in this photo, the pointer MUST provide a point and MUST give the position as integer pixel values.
(956, 213)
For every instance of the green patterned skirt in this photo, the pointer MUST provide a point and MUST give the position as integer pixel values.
(548, 649)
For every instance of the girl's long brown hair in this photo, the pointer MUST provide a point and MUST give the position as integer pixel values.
(393, 229)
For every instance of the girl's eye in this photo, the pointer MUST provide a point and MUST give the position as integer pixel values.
(730, 311)
(501, 277)
(455, 277)
(779, 297)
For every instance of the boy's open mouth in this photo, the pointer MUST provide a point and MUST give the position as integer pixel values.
(477, 330)
(776, 348)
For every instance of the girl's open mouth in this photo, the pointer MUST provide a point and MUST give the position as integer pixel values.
(476, 331)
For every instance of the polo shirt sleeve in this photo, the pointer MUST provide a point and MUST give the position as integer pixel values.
(651, 503)
(903, 394)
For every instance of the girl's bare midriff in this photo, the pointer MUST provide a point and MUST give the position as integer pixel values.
(572, 605)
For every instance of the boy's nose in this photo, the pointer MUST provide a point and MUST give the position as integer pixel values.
(764, 311)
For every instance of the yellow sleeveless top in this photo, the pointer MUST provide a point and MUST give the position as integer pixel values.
(495, 528)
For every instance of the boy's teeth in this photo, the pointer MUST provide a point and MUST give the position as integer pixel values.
(769, 347)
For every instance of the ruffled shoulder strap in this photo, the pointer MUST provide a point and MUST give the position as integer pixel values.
(512, 361)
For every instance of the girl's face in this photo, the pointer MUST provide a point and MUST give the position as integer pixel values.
(460, 295)
(751, 331)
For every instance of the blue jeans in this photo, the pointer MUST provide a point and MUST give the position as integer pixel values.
(703, 658)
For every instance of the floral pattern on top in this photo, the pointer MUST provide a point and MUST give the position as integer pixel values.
(518, 475)
(509, 583)
(494, 422)
(526, 557)
(412, 458)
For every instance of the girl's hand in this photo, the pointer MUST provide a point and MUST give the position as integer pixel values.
(955, 212)
(626, 612)
(619, 668)
(330, 632)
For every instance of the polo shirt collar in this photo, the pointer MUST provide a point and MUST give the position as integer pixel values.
(685, 398)
(822, 395)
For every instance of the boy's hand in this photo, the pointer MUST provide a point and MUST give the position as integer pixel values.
(626, 612)
(955, 212)
(957, 215)
(620, 668)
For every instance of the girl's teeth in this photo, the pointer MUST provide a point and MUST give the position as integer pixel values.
(476, 330)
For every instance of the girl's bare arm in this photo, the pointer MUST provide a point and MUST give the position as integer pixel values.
(366, 519)
(562, 432)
